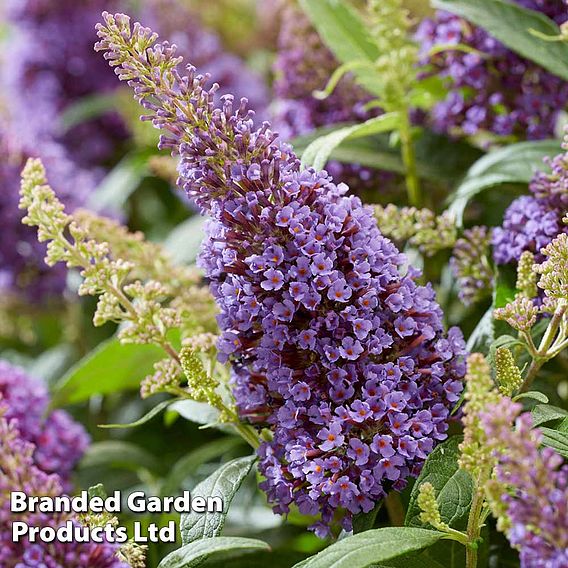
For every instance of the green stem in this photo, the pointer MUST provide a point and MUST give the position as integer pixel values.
(248, 433)
(474, 529)
(543, 352)
(409, 160)
(531, 374)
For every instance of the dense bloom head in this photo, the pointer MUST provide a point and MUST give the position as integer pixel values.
(491, 88)
(532, 221)
(58, 441)
(530, 489)
(19, 471)
(333, 345)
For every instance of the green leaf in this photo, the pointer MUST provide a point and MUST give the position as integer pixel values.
(454, 487)
(318, 152)
(347, 36)
(505, 289)
(556, 440)
(109, 368)
(200, 413)
(184, 242)
(223, 483)
(534, 395)
(120, 182)
(543, 413)
(195, 553)
(276, 559)
(372, 547)
(420, 561)
(114, 453)
(189, 464)
(146, 418)
(515, 163)
(511, 24)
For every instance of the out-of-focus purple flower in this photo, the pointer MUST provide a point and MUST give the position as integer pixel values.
(52, 64)
(531, 487)
(492, 89)
(532, 221)
(312, 392)
(304, 65)
(529, 224)
(19, 471)
(182, 26)
(58, 441)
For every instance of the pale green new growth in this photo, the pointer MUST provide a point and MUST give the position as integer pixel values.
(522, 313)
(201, 385)
(140, 288)
(397, 73)
(429, 506)
(421, 228)
(526, 275)
(396, 67)
(480, 393)
(508, 375)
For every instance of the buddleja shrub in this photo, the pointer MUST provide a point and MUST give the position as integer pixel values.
(319, 342)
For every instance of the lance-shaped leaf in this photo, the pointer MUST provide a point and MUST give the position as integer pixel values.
(195, 553)
(318, 152)
(373, 547)
(454, 487)
(515, 163)
(223, 483)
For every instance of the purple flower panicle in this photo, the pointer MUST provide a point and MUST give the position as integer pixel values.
(334, 346)
(531, 485)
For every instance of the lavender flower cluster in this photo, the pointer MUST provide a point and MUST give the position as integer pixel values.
(532, 221)
(531, 485)
(491, 89)
(343, 358)
(53, 55)
(19, 471)
(304, 65)
(59, 442)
